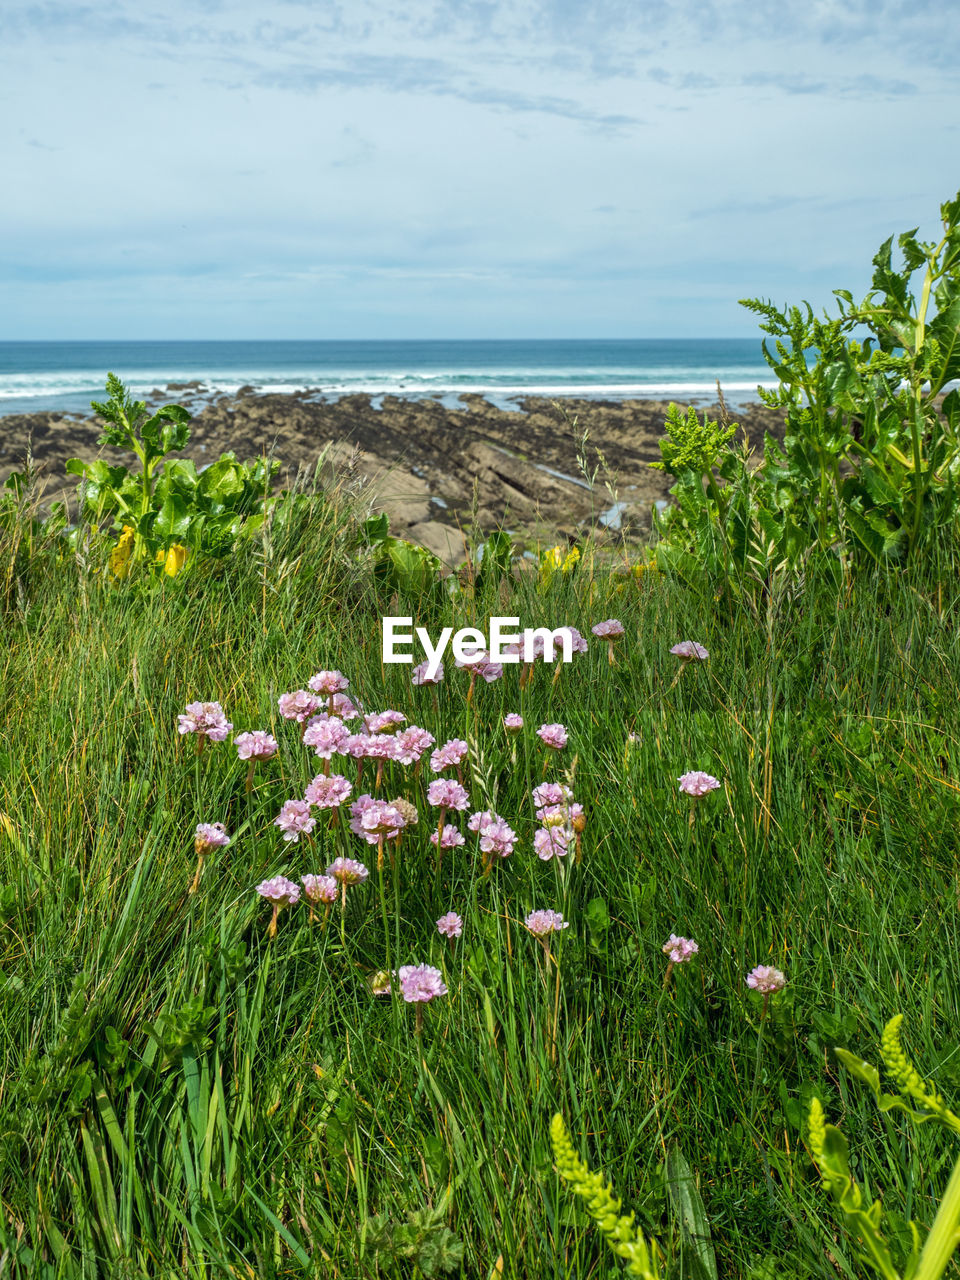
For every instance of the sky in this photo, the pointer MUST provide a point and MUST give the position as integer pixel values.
(463, 168)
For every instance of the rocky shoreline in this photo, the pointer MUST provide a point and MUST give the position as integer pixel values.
(550, 470)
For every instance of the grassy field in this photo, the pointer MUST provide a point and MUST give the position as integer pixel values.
(182, 1096)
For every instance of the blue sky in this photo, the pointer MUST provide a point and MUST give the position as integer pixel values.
(464, 168)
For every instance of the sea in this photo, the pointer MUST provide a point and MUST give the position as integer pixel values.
(66, 376)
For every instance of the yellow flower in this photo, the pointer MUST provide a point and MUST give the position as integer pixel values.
(558, 558)
(119, 560)
(173, 559)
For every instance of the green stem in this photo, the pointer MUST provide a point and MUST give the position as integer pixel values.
(944, 1235)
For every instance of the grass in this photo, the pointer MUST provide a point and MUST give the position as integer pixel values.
(182, 1097)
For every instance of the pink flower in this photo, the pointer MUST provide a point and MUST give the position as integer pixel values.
(206, 719)
(380, 820)
(209, 836)
(497, 838)
(548, 794)
(449, 755)
(280, 891)
(257, 745)
(450, 925)
(579, 643)
(328, 683)
(343, 708)
(384, 722)
(549, 842)
(476, 821)
(562, 815)
(410, 744)
(679, 950)
(482, 665)
(420, 983)
(326, 735)
(295, 820)
(320, 888)
(452, 839)
(553, 735)
(328, 793)
(446, 794)
(373, 818)
(697, 783)
(420, 674)
(347, 871)
(541, 923)
(299, 705)
(608, 630)
(689, 649)
(765, 979)
(512, 722)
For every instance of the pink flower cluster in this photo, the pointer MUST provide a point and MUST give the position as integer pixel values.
(375, 820)
(210, 836)
(497, 838)
(698, 784)
(679, 950)
(561, 817)
(206, 719)
(689, 651)
(451, 755)
(450, 925)
(765, 979)
(543, 922)
(295, 820)
(256, 745)
(328, 683)
(420, 674)
(327, 792)
(553, 735)
(609, 630)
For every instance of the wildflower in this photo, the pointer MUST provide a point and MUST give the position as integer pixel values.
(579, 642)
(765, 979)
(420, 983)
(328, 683)
(553, 735)
(384, 722)
(344, 708)
(173, 559)
(446, 794)
(550, 793)
(208, 836)
(543, 922)
(299, 705)
(688, 650)
(450, 839)
(258, 745)
(679, 950)
(320, 888)
(295, 820)
(450, 925)
(610, 630)
(550, 842)
(347, 871)
(326, 734)
(697, 783)
(410, 744)
(205, 719)
(380, 821)
(497, 839)
(512, 722)
(281, 892)
(120, 557)
(420, 674)
(328, 792)
(449, 756)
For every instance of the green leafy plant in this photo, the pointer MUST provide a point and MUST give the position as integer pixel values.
(831, 1154)
(869, 465)
(423, 1239)
(166, 509)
